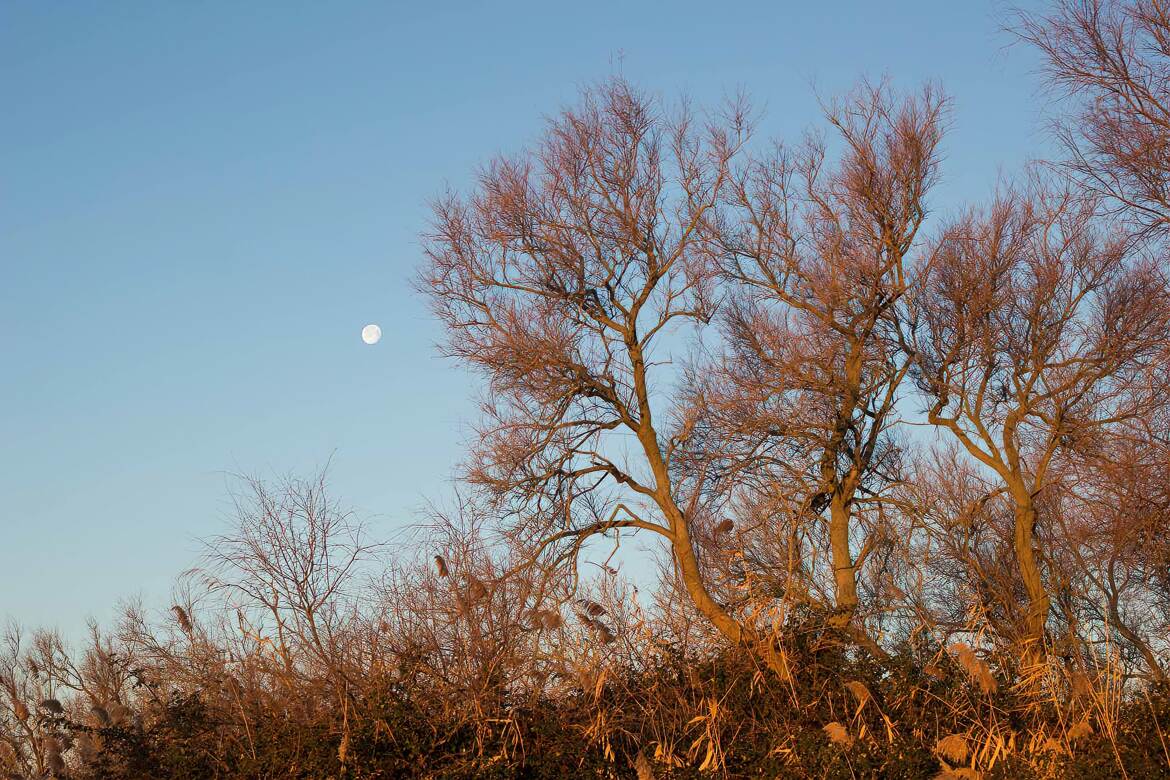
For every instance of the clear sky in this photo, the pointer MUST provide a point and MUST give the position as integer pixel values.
(201, 203)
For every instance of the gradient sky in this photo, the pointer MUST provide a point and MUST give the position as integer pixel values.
(201, 203)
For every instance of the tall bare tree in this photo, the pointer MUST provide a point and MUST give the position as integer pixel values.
(1039, 332)
(817, 258)
(560, 280)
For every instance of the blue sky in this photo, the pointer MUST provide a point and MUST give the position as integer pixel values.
(202, 203)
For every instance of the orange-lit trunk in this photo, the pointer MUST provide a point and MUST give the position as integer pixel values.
(1038, 599)
(844, 573)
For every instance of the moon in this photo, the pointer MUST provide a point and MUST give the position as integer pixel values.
(371, 334)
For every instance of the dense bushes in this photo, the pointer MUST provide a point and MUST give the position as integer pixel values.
(407, 677)
(897, 722)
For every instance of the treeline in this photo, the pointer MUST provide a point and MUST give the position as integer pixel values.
(906, 475)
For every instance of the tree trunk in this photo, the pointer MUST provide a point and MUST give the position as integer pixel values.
(844, 574)
(1038, 599)
(688, 565)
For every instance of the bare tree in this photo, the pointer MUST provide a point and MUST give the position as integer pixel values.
(561, 280)
(1039, 331)
(817, 258)
(1111, 511)
(292, 558)
(1111, 58)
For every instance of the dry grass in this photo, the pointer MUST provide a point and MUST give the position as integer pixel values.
(838, 734)
(976, 668)
(953, 748)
